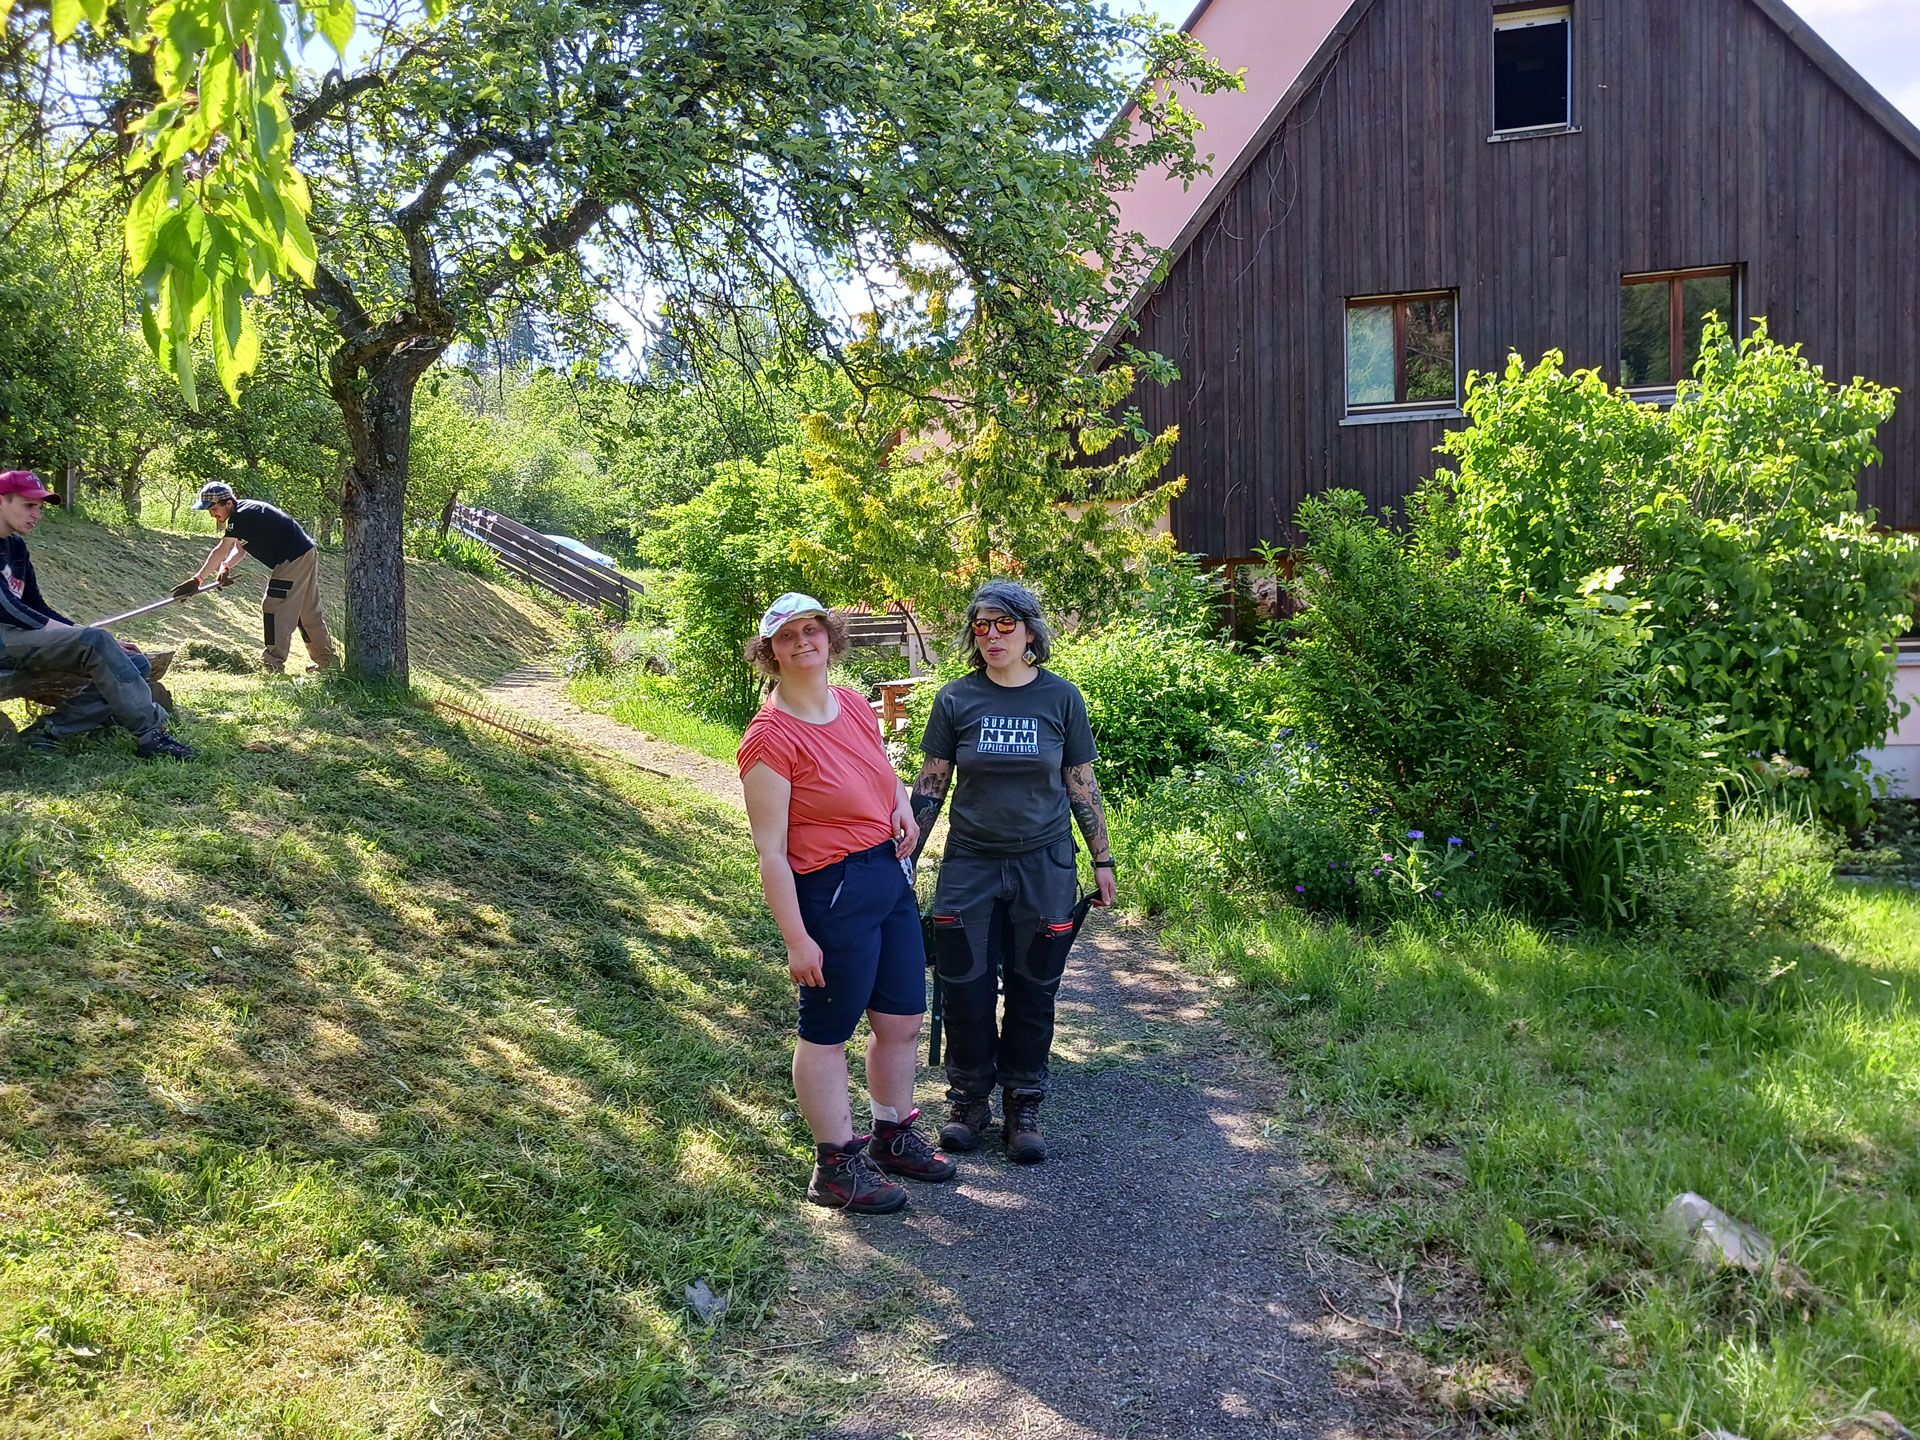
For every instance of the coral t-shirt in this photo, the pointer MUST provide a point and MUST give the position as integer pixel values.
(843, 783)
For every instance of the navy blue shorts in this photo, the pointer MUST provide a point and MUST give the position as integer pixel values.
(862, 914)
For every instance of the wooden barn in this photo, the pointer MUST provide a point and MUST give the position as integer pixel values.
(1409, 189)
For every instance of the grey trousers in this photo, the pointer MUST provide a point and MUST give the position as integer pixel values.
(119, 690)
(1001, 928)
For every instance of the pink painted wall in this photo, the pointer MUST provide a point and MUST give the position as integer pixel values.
(1271, 40)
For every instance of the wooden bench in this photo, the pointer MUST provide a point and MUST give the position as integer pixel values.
(892, 706)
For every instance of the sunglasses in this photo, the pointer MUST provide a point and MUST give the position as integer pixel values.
(1005, 624)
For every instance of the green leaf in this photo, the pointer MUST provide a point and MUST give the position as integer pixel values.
(144, 215)
(336, 24)
(66, 16)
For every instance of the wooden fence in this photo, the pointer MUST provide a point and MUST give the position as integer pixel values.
(537, 560)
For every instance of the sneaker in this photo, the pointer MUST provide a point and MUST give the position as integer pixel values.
(899, 1149)
(164, 747)
(1020, 1128)
(967, 1120)
(845, 1178)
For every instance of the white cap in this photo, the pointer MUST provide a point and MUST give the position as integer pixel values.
(789, 606)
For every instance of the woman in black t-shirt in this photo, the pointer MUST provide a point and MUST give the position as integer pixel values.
(1017, 738)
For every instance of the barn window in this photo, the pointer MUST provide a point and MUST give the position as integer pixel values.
(1661, 319)
(1401, 350)
(1532, 69)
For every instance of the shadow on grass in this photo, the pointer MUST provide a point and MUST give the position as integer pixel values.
(370, 1069)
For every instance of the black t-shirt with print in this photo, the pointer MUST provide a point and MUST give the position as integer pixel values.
(1008, 746)
(271, 536)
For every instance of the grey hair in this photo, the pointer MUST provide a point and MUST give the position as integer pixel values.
(1009, 597)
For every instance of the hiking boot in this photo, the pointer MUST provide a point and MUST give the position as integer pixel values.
(164, 747)
(845, 1178)
(968, 1117)
(899, 1149)
(1020, 1127)
(36, 739)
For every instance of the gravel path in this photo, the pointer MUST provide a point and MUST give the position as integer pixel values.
(541, 691)
(1156, 1278)
(1152, 1278)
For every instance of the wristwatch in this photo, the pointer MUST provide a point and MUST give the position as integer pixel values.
(1106, 864)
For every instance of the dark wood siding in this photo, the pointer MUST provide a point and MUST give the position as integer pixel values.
(1704, 137)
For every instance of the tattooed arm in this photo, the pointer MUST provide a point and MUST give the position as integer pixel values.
(928, 795)
(1083, 794)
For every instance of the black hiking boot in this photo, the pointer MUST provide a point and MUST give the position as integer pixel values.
(1020, 1127)
(36, 739)
(164, 747)
(899, 1149)
(845, 1178)
(968, 1117)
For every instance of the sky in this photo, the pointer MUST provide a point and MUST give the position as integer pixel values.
(1879, 38)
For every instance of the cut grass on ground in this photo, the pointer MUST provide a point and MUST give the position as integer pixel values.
(653, 704)
(459, 627)
(369, 1078)
(1511, 1111)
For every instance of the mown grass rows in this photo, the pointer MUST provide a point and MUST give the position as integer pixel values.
(368, 1078)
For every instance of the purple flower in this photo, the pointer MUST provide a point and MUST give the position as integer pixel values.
(1301, 888)
(1455, 840)
(1416, 834)
(1376, 869)
(1471, 854)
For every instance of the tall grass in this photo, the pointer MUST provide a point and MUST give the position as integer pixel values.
(656, 705)
(1514, 1108)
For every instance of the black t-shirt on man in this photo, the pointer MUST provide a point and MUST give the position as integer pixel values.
(271, 536)
(1008, 746)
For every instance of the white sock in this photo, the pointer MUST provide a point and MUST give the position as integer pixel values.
(882, 1112)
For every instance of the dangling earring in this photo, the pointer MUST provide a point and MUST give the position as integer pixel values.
(1028, 657)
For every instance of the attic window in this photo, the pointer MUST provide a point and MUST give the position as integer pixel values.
(1401, 352)
(1661, 318)
(1532, 69)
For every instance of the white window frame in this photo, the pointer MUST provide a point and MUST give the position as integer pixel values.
(1527, 20)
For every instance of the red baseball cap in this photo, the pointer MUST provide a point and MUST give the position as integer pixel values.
(25, 482)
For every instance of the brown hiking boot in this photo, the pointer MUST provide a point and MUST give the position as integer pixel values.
(968, 1117)
(1020, 1127)
(899, 1149)
(845, 1178)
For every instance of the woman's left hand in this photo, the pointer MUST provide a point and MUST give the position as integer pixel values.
(906, 834)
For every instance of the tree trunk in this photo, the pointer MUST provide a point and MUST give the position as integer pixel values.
(379, 416)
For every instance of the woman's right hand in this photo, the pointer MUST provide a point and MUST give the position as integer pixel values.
(803, 962)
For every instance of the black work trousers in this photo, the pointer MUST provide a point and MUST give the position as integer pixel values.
(1002, 925)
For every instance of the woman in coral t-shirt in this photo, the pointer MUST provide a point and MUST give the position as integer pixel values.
(831, 823)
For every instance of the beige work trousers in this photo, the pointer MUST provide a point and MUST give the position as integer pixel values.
(292, 602)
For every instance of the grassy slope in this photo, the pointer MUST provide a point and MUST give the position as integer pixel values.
(459, 626)
(1511, 1110)
(368, 1078)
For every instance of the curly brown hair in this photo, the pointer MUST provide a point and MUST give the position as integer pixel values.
(759, 650)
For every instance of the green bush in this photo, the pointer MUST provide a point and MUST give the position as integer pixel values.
(730, 551)
(1162, 693)
(585, 646)
(462, 552)
(1771, 599)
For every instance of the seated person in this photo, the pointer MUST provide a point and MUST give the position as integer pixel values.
(34, 637)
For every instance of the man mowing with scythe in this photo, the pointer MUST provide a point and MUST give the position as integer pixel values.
(276, 540)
